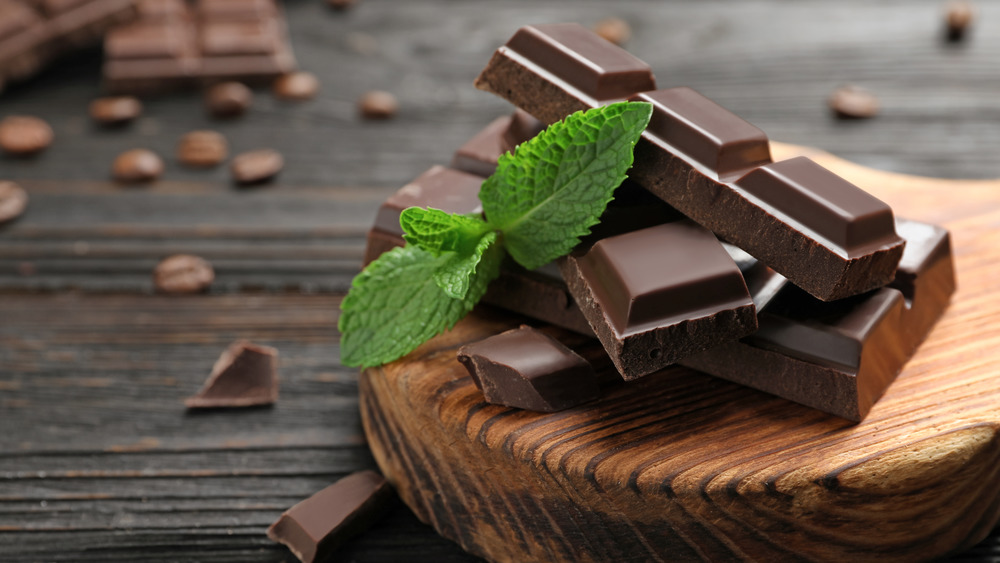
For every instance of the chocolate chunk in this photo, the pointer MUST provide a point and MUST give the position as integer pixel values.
(245, 375)
(23, 135)
(853, 102)
(255, 167)
(528, 369)
(228, 99)
(296, 86)
(480, 153)
(553, 70)
(377, 104)
(659, 294)
(13, 201)
(615, 30)
(177, 45)
(202, 149)
(316, 527)
(115, 110)
(839, 357)
(183, 273)
(689, 156)
(958, 19)
(137, 165)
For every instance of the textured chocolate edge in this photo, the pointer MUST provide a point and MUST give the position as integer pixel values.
(508, 79)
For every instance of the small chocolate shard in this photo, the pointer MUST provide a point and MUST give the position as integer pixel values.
(528, 369)
(316, 527)
(245, 375)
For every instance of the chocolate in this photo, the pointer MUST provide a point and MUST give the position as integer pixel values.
(316, 527)
(177, 44)
(659, 294)
(704, 161)
(32, 33)
(528, 369)
(480, 153)
(839, 357)
(245, 375)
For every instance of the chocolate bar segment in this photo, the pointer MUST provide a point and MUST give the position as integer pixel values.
(245, 375)
(839, 357)
(479, 154)
(659, 294)
(176, 44)
(316, 527)
(553, 70)
(528, 369)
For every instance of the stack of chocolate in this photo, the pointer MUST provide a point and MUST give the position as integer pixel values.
(817, 294)
(33, 32)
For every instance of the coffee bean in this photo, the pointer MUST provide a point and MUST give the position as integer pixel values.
(228, 99)
(341, 4)
(377, 104)
(256, 166)
(183, 273)
(852, 102)
(116, 110)
(13, 201)
(202, 149)
(614, 30)
(296, 86)
(24, 135)
(137, 165)
(958, 20)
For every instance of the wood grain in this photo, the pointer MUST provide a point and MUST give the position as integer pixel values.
(681, 466)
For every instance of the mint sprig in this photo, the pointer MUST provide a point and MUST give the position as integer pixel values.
(542, 198)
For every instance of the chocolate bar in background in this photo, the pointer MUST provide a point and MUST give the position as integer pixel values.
(33, 32)
(839, 357)
(819, 231)
(656, 295)
(479, 154)
(177, 44)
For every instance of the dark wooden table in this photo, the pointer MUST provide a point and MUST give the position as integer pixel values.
(99, 461)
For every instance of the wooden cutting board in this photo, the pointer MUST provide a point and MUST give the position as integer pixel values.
(683, 466)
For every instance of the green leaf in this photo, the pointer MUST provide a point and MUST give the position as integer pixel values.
(395, 305)
(553, 188)
(455, 276)
(437, 231)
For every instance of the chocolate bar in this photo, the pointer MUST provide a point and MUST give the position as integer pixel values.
(316, 527)
(822, 233)
(33, 32)
(480, 153)
(528, 369)
(245, 375)
(176, 44)
(839, 357)
(656, 295)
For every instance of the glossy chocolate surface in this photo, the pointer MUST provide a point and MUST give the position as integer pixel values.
(442, 188)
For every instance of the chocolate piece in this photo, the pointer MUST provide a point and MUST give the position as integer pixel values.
(137, 165)
(202, 149)
(117, 110)
(24, 135)
(691, 153)
(852, 102)
(245, 375)
(32, 32)
(553, 70)
(839, 357)
(255, 167)
(316, 527)
(228, 99)
(13, 201)
(659, 294)
(183, 273)
(176, 44)
(528, 369)
(296, 86)
(377, 104)
(480, 153)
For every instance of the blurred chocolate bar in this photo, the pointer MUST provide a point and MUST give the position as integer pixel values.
(33, 32)
(177, 44)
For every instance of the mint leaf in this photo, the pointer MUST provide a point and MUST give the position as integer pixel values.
(455, 276)
(395, 305)
(553, 188)
(437, 231)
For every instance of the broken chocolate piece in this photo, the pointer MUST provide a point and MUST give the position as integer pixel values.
(691, 153)
(528, 369)
(659, 294)
(316, 527)
(245, 375)
(839, 357)
(480, 153)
